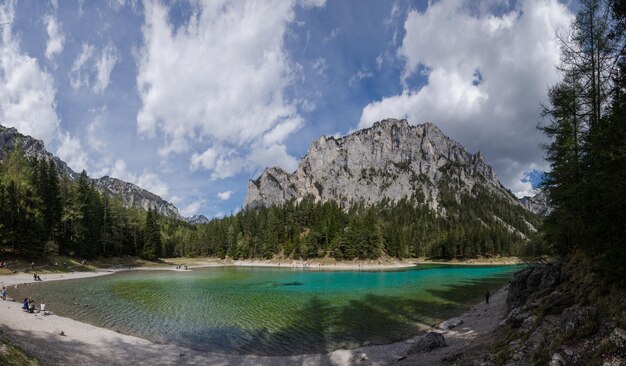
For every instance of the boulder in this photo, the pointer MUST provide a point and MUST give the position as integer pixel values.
(532, 283)
(450, 323)
(427, 343)
(576, 317)
(557, 360)
(618, 338)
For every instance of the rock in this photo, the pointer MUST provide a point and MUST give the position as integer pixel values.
(528, 324)
(539, 203)
(130, 194)
(575, 317)
(450, 323)
(532, 283)
(557, 360)
(61, 333)
(390, 160)
(618, 338)
(516, 317)
(427, 342)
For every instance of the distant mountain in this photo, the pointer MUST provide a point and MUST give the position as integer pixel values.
(130, 194)
(197, 219)
(390, 160)
(538, 203)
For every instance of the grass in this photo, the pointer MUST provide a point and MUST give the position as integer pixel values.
(12, 355)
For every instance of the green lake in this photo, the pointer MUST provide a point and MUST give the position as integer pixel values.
(273, 311)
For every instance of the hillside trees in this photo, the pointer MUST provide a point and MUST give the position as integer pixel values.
(587, 127)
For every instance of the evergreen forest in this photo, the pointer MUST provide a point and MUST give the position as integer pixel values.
(45, 213)
(586, 124)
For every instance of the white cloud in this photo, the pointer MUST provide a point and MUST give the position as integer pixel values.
(192, 208)
(515, 54)
(104, 66)
(216, 83)
(93, 130)
(146, 180)
(27, 93)
(56, 38)
(312, 3)
(78, 76)
(320, 66)
(151, 182)
(71, 151)
(86, 69)
(333, 34)
(224, 196)
(363, 73)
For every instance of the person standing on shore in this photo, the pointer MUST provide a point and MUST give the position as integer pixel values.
(487, 296)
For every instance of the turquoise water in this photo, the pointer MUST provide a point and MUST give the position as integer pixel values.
(275, 311)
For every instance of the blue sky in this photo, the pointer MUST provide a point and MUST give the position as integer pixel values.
(191, 99)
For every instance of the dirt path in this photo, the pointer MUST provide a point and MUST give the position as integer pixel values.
(477, 325)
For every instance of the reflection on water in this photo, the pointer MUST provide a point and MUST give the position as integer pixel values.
(273, 311)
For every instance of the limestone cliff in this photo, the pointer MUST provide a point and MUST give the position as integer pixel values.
(390, 160)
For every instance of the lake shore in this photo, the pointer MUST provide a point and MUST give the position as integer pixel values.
(86, 344)
(332, 264)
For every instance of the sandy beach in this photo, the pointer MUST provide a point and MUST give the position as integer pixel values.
(332, 266)
(85, 344)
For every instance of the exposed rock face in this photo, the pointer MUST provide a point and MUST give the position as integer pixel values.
(10, 137)
(391, 160)
(427, 343)
(130, 194)
(134, 196)
(197, 219)
(538, 203)
(531, 283)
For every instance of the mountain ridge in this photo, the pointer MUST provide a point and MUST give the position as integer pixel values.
(389, 160)
(130, 194)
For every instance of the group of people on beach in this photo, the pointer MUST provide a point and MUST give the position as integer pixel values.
(36, 277)
(29, 306)
(181, 267)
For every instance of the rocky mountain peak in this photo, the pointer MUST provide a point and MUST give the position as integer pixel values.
(390, 160)
(130, 194)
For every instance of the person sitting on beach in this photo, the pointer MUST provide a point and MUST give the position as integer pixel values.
(38, 278)
(31, 305)
(42, 308)
(4, 293)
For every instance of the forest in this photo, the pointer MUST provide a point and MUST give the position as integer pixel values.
(45, 213)
(586, 124)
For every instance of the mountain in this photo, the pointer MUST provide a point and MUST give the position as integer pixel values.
(538, 203)
(390, 160)
(130, 194)
(197, 219)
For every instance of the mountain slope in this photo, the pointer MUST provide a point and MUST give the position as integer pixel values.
(538, 203)
(130, 194)
(391, 160)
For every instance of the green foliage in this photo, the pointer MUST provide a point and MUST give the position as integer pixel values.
(587, 152)
(42, 213)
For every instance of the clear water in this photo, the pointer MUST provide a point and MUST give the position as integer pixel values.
(274, 311)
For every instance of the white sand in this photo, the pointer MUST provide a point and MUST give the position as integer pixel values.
(336, 266)
(85, 344)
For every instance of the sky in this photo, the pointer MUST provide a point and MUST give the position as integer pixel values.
(191, 99)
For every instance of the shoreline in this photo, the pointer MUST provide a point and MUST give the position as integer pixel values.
(329, 264)
(86, 344)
